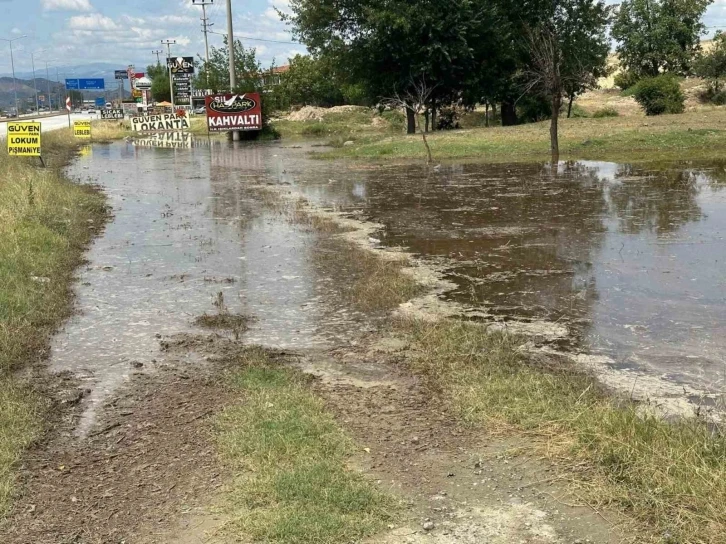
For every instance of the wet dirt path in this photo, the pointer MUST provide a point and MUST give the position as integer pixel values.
(134, 460)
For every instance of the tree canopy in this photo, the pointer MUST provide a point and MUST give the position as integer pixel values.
(657, 36)
(215, 75)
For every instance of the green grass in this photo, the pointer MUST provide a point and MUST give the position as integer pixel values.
(691, 135)
(670, 475)
(289, 458)
(45, 223)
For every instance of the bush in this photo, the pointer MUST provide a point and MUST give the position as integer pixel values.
(533, 108)
(577, 112)
(661, 94)
(447, 118)
(605, 112)
(626, 80)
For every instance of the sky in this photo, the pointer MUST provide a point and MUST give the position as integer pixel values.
(123, 32)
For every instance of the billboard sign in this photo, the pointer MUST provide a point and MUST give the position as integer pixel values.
(85, 84)
(82, 129)
(100, 102)
(159, 123)
(227, 112)
(24, 139)
(180, 65)
(120, 74)
(114, 113)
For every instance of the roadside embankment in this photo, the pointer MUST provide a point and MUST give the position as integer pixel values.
(693, 135)
(46, 221)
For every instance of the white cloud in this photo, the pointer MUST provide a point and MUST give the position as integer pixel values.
(176, 20)
(93, 22)
(66, 5)
(16, 31)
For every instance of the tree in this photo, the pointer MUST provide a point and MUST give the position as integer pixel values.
(656, 36)
(311, 81)
(387, 44)
(160, 89)
(418, 95)
(567, 50)
(711, 66)
(76, 98)
(215, 75)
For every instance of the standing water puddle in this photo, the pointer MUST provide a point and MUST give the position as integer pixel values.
(629, 259)
(184, 230)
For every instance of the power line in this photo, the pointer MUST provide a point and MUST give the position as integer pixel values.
(255, 39)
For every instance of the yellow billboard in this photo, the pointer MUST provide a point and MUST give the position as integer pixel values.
(82, 129)
(24, 139)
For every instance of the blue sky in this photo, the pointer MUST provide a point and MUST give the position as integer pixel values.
(124, 32)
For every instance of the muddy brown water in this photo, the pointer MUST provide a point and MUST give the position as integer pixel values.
(629, 258)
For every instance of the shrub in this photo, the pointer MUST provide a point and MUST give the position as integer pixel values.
(577, 112)
(448, 118)
(626, 80)
(661, 94)
(606, 112)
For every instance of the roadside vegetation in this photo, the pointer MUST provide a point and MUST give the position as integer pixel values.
(46, 222)
(292, 483)
(669, 474)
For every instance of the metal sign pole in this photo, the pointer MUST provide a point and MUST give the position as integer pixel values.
(232, 68)
(168, 44)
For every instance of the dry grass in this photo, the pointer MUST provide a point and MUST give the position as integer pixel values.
(670, 475)
(45, 224)
(108, 130)
(291, 481)
(690, 135)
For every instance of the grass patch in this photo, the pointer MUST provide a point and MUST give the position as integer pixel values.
(108, 130)
(232, 322)
(670, 475)
(361, 124)
(362, 279)
(625, 138)
(45, 224)
(292, 485)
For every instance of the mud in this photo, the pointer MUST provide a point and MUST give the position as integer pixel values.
(613, 266)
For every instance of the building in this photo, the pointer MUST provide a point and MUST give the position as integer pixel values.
(273, 76)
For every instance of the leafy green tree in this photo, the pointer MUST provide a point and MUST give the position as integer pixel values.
(215, 75)
(159, 75)
(656, 36)
(311, 81)
(660, 94)
(386, 44)
(711, 66)
(568, 50)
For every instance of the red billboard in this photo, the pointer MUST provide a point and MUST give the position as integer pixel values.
(234, 112)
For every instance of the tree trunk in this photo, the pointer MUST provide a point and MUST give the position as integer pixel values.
(433, 115)
(509, 114)
(554, 132)
(426, 116)
(569, 106)
(429, 159)
(410, 121)
(486, 115)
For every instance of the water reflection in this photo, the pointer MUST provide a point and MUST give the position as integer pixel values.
(627, 256)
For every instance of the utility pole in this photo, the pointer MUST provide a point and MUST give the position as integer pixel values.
(230, 47)
(12, 64)
(157, 53)
(205, 30)
(35, 85)
(168, 44)
(47, 78)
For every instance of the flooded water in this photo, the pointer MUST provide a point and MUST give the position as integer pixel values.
(629, 259)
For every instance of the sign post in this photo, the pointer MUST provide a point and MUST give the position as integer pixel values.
(68, 107)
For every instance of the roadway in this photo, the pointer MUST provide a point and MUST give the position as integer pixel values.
(50, 123)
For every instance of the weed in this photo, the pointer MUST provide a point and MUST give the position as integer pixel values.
(291, 482)
(43, 233)
(671, 475)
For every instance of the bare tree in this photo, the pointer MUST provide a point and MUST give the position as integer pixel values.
(416, 98)
(544, 73)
